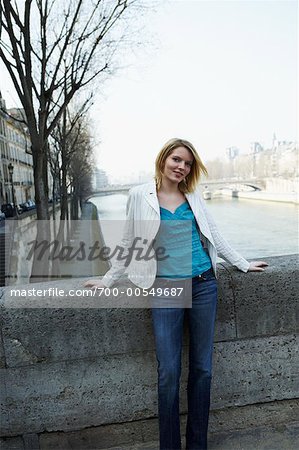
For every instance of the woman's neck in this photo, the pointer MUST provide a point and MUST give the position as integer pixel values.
(167, 187)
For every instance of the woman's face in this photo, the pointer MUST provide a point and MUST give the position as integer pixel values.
(178, 165)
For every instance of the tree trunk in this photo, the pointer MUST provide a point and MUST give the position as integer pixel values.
(40, 265)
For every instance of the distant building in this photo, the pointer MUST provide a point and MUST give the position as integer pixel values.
(3, 153)
(232, 153)
(21, 158)
(280, 160)
(256, 147)
(15, 149)
(99, 179)
(287, 159)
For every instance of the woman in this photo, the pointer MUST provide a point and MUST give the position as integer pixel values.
(174, 196)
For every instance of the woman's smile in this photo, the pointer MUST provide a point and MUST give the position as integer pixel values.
(179, 174)
(178, 164)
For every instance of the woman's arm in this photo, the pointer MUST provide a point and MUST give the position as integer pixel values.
(118, 267)
(225, 250)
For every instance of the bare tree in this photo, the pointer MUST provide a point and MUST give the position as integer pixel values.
(65, 139)
(71, 155)
(52, 49)
(68, 138)
(47, 71)
(80, 171)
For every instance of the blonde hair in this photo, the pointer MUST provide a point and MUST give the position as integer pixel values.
(191, 180)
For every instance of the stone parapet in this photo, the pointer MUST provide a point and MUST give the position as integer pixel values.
(70, 368)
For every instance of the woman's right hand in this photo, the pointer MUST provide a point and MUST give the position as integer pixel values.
(97, 284)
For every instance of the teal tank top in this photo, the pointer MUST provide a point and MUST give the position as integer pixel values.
(179, 235)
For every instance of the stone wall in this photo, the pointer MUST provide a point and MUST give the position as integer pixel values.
(79, 366)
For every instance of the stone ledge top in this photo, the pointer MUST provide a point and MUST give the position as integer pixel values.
(70, 293)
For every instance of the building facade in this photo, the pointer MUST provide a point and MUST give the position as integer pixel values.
(15, 151)
(99, 179)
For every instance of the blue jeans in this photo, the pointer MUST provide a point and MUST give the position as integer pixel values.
(168, 331)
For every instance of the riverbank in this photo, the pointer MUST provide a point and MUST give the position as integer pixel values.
(260, 195)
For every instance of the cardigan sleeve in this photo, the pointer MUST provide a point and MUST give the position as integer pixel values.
(118, 267)
(224, 249)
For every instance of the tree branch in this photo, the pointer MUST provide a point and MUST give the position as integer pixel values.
(65, 45)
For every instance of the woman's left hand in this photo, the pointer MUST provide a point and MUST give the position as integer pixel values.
(257, 266)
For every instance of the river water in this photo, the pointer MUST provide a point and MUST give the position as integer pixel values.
(255, 228)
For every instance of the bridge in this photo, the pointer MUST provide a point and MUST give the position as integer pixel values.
(230, 183)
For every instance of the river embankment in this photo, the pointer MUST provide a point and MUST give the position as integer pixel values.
(280, 190)
(279, 197)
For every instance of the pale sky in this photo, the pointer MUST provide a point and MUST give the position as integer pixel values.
(224, 75)
(219, 73)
